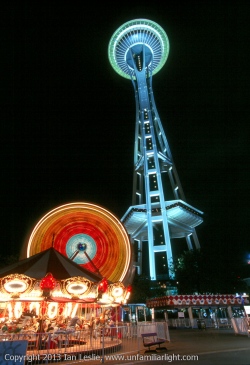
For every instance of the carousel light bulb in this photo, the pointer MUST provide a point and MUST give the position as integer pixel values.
(15, 286)
(77, 288)
(117, 292)
(103, 286)
(18, 310)
(48, 282)
(73, 313)
(52, 310)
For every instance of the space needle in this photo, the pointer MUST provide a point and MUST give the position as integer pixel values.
(159, 214)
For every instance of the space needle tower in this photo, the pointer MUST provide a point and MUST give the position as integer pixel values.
(159, 213)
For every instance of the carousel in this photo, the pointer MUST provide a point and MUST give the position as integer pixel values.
(73, 277)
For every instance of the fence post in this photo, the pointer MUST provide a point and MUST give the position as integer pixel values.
(138, 339)
(48, 347)
(102, 337)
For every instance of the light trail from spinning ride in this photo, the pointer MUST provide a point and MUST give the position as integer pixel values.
(86, 233)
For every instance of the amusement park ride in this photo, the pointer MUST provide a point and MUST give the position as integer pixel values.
(159, 212)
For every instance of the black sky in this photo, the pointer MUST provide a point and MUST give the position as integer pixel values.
(68, 118)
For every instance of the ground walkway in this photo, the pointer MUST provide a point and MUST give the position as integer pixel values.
(190, 346)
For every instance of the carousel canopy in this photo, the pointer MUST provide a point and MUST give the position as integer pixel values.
(50, 260)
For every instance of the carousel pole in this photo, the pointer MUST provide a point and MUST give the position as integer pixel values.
(116, 317)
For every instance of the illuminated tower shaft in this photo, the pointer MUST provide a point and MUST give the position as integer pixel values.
(138, 50)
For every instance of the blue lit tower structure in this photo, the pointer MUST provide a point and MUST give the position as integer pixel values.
(159, 212)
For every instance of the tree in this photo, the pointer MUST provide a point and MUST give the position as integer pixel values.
(207, 271)
(143, 288)
(188, 269)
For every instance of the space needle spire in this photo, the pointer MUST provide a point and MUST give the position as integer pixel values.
(159, 213)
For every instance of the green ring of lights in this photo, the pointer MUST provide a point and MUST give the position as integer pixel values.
(135, 25)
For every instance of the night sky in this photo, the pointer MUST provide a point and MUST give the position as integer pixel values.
(68, 119)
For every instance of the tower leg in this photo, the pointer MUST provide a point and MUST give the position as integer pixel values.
(189, 243)
(196, 240)
(151, 248)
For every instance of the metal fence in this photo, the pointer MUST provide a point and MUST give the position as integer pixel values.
(87, 344)
(241, 326)
(195, 323)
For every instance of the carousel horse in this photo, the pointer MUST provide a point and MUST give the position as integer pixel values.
(27, 328)
(63, 335)
(100, 325)
(75, 326)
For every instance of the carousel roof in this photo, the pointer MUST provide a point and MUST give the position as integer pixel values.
(50, 260)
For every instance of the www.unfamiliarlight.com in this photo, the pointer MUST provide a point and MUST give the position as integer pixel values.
(153, 357)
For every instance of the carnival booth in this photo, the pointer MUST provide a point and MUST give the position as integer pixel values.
(65, 286)
(210, 310)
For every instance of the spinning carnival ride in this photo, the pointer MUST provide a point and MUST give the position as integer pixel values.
(87, 234)
(78, 253)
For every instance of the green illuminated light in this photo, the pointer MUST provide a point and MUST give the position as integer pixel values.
(139, 31)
